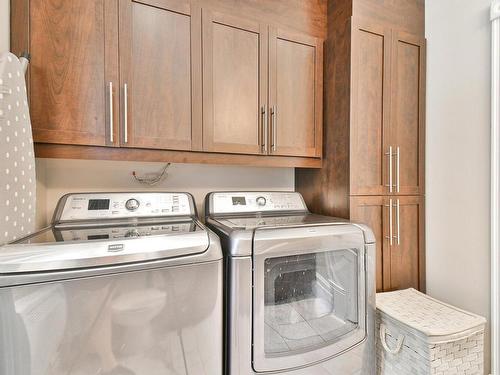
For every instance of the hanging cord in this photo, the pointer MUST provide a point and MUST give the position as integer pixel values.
(150, 181)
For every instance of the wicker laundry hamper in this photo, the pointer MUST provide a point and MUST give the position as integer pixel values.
(420, 335)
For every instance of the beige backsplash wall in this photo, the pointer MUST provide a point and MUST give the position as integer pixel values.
(57, 177)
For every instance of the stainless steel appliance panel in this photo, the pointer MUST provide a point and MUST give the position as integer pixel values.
(163, 321)
(308, 295)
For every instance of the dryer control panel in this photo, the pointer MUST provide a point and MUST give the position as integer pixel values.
(102, 206)
(241, 202)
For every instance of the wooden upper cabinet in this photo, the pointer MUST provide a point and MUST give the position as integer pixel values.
(160, 47)
(387, 111)
(370, 104)
(234, 84)
(407, 114)
(73, 46)
(295, 93)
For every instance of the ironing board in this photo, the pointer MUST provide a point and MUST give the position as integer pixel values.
(17, 160)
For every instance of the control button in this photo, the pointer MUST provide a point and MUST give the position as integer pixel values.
(261, 201)
(132, 204)
(132, 233)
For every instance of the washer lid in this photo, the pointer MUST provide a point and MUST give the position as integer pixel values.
(250, 222)
(63, 249)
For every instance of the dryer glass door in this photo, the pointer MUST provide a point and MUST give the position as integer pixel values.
(309, 295)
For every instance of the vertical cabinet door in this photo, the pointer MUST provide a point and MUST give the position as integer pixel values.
(160, 53)
(370, 82)
(73, 71)
(374, 212)
(234, 84)
(407, 112)
(404, 261)
(295, 93)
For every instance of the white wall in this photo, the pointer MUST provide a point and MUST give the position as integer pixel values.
(4, 25)
(458, 150)
(57, 177)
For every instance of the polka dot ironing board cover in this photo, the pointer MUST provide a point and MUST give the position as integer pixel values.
(17, 160)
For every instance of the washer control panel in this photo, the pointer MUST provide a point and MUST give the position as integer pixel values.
(90, 206)
(118, 233)
(236, 202)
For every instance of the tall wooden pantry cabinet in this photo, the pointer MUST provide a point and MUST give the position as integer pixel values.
(374, 132)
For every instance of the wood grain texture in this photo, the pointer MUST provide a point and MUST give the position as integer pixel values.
(327, 190)
(234, 83)
(373, 211)
(295, 93)
(407, 110)
(68, 71)
(404, 15)
(44, 150)
(402, 263)
(370, 108)
(100, 44)
(305, 16)
(159, 86)
(19, 26)
(360, 122)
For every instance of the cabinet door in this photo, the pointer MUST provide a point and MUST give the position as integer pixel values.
(407, 113)
(234, 84)
(370, 82)
(404, 261)
(295, 93)
(160, 57)
(73, 71)
(374, 212)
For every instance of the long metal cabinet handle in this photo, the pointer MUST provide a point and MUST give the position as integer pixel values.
(125, 113)
(397, 170)
(273, 127)
(390, 168)
(398, 237)
(390, 237)
(264, 128)
(111, 133)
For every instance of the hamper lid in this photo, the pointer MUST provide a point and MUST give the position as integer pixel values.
(435, 319)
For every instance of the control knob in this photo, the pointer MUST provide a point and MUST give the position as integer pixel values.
(132, 233)
(132, 204)
(261, 201)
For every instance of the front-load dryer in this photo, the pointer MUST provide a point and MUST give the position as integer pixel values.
(119, 284)
(299, 287)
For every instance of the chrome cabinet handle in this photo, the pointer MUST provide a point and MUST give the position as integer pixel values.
(273, 127)
(397, 170)
(390, 168)
(125, 113)
(111, 132)
(391, 235)
(264, 128)
(398, 230)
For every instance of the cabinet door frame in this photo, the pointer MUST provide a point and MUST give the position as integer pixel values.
(276, 33)
(357, 188)
(398, 221)
(357, 203)
(108, 133)
(125, 26)
(399, 36)
(210, 17)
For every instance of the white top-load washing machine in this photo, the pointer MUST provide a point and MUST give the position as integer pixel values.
(120, 283)
(300, 288)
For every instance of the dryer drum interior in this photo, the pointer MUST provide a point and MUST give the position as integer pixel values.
(309, 300)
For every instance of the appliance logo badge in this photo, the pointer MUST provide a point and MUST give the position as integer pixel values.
(115, 248)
